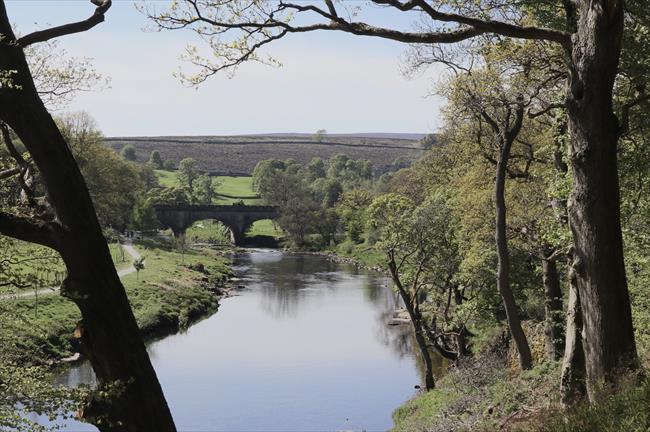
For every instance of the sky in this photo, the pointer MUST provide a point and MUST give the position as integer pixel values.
(338, 82)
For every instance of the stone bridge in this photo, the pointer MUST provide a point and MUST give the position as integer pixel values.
(237, 217)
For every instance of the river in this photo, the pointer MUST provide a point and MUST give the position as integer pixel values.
(304, 346)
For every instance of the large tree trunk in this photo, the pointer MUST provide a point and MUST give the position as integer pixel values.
(553, 312)
(503, 265)
(108, 332)
(594, 207)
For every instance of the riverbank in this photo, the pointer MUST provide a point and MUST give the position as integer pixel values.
(171, 292)
(484, 394)
(361, 256)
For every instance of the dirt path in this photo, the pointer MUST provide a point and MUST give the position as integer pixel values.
(53, 290)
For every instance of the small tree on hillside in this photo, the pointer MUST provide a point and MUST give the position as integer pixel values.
(181, 245)
(128, 153)
(319, 136)
(169, 165)
(187, 174)
(205, 189)
(138, 264)
(156, 160)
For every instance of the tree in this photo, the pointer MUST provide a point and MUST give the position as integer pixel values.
(422, 258)
(263, 172)
(337, 164)
(320, 135)
(138, 265)
(64, 219)
(590, 35)
(428, 141)
(187, 173)
(113, 183)
(180, 243)
(332, 191)
(169, 165)
(58, 76)
(316, 169)
(173, 196)
(156, 160)
(148, 175)
(144, 215)
(352, 210)
(391, 215)
(205, 190)
(128, 153)
(501, 105)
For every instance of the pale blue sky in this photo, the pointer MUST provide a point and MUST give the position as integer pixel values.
(338, 82)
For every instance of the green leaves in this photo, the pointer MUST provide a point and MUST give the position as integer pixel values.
(30, 388)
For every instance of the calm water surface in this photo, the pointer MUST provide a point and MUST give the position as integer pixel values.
(304, 347)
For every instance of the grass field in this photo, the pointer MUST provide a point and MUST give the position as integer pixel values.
(228, 185)
(208, 231)
(166, 295)
(167, 178)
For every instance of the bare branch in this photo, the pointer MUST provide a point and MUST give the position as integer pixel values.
(332, 9)
(9, 173)
(26, 178)
(498, 27)
(546, 110)
(257, 23)
(77, 27)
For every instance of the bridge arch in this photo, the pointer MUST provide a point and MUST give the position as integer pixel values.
(237, 217)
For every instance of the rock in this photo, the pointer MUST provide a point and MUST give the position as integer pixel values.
(400, 317)
(73, 358)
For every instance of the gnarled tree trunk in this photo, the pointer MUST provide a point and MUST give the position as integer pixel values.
(418, 327)
(108, 332)
(594, 207)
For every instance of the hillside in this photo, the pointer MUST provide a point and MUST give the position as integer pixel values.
(238, 155)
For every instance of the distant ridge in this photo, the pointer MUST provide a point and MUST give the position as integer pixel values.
(389, 135)
(238, 155)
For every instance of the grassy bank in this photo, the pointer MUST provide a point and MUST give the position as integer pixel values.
(171, 292)
(480, 394)
(361, 253)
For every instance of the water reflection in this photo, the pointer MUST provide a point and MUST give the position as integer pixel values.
(306, 346)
